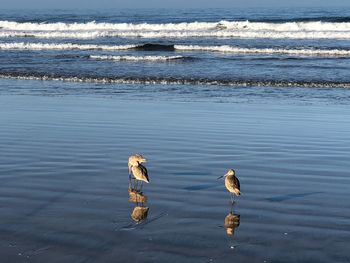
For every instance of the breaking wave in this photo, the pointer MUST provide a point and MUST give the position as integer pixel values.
(61, 46)
(267, 51)
(181, 34)
(228, 29)
(137, 58)
(161, 47)
(184, 26)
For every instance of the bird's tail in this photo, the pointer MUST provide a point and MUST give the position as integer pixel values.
(146, 179)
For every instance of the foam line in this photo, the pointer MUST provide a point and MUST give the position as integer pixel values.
(173, 81)
(136, 58)
(220, 29)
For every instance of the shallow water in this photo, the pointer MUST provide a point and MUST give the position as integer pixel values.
(64, 178)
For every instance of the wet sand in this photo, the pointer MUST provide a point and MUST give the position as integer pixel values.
(64, 180)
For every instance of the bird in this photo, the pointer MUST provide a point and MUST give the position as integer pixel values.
(133, 160)
(232, 183)
(140, 173)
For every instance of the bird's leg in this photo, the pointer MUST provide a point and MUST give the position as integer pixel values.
(232, 199)
(231, 208)
(141, 187)
(136, 185)
(133, 183)
(130, 185)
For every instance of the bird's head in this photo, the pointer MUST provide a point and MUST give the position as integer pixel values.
(140, 158)
(230, 172)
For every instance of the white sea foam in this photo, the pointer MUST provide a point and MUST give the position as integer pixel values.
(174, 81)
(93, 26)
(136, 58)
(223, 48)
(180, 34)
(193, 26)
(61, 46)
(224, 29)
(267, 51)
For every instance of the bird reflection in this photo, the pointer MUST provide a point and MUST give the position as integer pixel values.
(136, 196)
(139, 212)
(231, 222)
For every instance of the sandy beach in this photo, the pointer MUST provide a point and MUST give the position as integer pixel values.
(64, 177)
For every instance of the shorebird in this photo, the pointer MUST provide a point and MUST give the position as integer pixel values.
(134, 160)
(232, 183)
(140, 173)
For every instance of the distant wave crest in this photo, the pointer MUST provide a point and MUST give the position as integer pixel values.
(184, 26)
(227, 29)
(61, 46)
(241, 50)
(161, 47)
(137, 58)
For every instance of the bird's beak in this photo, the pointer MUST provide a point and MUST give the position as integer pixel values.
(220, 177)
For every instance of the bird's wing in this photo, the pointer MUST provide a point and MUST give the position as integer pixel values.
(135, 171)
(237, 184)
(144, 171)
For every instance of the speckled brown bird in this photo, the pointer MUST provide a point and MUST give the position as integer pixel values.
(232, 183)
(134, 160)
(140, 173)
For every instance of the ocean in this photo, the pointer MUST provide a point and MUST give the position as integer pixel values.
(269, 48)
